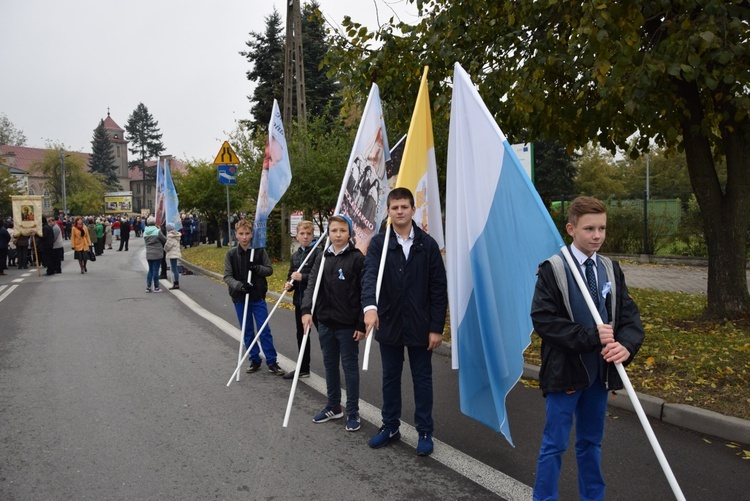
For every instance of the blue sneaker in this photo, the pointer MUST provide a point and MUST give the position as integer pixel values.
(383, 437)
(425, 446)
(352, 421)
(329, 413)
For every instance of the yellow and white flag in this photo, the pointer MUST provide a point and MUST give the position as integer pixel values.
(418, 170)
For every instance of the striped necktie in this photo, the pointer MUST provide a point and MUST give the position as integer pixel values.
(591, 280)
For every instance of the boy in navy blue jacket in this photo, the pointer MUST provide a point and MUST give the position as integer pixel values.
(339, 319)
(579, 357)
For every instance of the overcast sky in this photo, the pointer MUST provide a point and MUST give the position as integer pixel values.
(64, 62)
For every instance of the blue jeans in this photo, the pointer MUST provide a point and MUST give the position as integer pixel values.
(175, 274)
(589, 408)
(153, 272)
(257, 310)
(420, 362)
(340, 344)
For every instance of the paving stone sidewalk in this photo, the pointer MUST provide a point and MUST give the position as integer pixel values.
(690, 279)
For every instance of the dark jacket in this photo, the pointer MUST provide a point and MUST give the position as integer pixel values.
(236, 266)
(338, 303)
(125, 230)
(565, 340)
(294, 265)
(413, 295)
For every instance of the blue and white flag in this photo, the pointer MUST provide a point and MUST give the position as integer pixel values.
(171, 202)
(498, 232)
(274, 177)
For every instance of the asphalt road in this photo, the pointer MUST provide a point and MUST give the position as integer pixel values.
(107, 392)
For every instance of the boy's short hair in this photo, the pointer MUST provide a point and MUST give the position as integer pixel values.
(305, 225)
(243, 223)
(400, 194)
(580, 206)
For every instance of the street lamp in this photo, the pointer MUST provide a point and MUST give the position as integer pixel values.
(62, 167)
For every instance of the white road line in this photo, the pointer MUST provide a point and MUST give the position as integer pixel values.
(2, 287)
(8, 292)
(491, 479)
(17, 280)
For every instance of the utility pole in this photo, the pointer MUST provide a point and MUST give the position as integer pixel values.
(294, 80)
(294, 71)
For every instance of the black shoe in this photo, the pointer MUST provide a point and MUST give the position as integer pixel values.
(276, 370)
(254, 367)
(289, 375)
(174, 287)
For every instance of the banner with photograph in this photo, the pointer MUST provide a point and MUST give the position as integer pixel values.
(27, 214)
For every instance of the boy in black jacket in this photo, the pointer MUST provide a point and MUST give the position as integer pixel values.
(579, 357)
(237, 264)
(339, 318)
(297, 281)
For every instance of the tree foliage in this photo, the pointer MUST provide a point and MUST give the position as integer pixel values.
(144, 140)
(9, 134)
(265, 53)
(323, 92)
(102, 159)
(673, 73)
(9, 185)
(85, 190)
(554, 170)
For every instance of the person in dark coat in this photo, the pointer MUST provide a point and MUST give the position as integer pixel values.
(48, 242)
(4, 242)
(409, 315)
(124, 233)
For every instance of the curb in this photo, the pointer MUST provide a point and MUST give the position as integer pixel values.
(691, 418)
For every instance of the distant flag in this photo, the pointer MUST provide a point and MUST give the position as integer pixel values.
(498, 232)
(171, 202)
(419, 169)
(160, 189)
(274, 177)
(365, 185)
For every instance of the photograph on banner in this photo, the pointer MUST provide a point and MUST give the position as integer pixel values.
(116, 202)
(27, 214)
(367, 186)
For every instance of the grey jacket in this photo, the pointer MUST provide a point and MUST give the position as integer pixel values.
(155, 240)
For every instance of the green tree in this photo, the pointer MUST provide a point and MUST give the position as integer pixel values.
(674, 73)
(318, 155)
(200, 191)
(322, 92)
(102, 159)
(85, 189)
(145, 142)
(554, 171)
(598, 174)
(266, 55)
(9, 134)
(8, 186)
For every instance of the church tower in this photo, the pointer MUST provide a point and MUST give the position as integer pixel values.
(120, 150)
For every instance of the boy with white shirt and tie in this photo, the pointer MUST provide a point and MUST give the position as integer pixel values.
(579, 357)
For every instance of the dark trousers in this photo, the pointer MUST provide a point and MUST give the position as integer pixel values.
(23, 257)
(124, 242)
(420, 362)
(305, 367)
(339, 345)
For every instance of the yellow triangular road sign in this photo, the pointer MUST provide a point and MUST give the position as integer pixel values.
(226, 155)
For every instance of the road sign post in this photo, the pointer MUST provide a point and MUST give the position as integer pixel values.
(226, 161)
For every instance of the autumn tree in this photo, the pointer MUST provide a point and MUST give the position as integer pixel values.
(85, 190)
(9, 185)
(674, 74)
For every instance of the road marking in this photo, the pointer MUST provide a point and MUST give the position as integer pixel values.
(8, 292)
(17, 280)
(491, 479)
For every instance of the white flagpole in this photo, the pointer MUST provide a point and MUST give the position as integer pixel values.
(628, 386)
(381, 270)
(240, 357)
(348, 174)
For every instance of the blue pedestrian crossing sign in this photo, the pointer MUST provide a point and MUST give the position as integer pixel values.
(227, 174)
